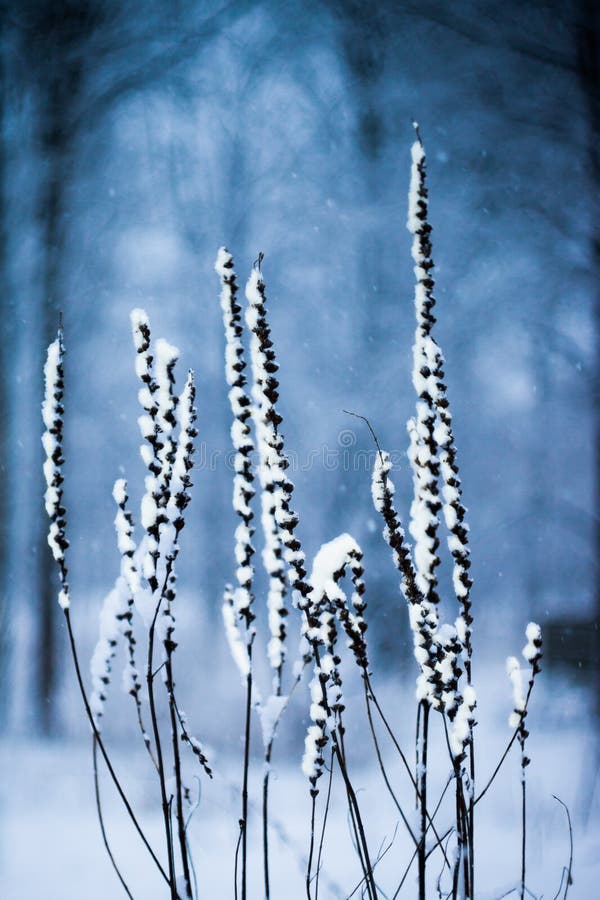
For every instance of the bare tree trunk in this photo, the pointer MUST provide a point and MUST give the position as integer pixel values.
(5, 331)
(57, 96)
(588, 70)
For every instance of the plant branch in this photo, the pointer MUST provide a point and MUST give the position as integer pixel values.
(101, 818)
(104, 751)
(566, 870)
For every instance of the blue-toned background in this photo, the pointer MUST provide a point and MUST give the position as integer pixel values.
(139, 137)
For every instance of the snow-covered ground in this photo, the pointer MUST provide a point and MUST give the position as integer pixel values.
(51, 848)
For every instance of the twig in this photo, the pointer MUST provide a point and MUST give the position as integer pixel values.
(236, 860)
(178, 781)
(523, 810)
(158, 747)
(266, 779)
(196, 804)
(192, 866)
(354, 809)
(381, 765)
(402, 756)
(159, 669)
(265, 818)
(438, 841)
(439, 880)
(104, 751)
(492, 777)
(101, 818)
(459, 834)
(324, 825)
(566, 869)
(391, 734)
(311, 846)
(244, 819)
(380, 856)
(192, 743)
(422, 799)
(358, 842)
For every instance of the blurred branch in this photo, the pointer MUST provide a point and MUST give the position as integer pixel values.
(142, 74)
(488, 30)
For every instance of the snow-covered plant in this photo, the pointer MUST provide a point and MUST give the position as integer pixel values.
(283, 556)
(330, 605)
(243, 444)
(443, 651)
(327, 608)
(168, 458)
(238, 614)
(146, 581)
(52, 441)
(330, 608)
(265, 393)
(433, 459)
(532, 654)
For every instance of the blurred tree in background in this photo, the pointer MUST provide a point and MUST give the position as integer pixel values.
(138, 138)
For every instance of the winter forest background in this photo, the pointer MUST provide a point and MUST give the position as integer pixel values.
(138, 138)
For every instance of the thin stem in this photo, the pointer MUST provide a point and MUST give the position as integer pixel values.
(471, 815)
(266, 777)
(265, 817)
(462, 836)
(338, 747)
(439, 879)
(357, 845)
(192, 866)
(194, 807)
(422, 779)
(467, 850)
(402, 757)
(491, 779)
(569, 881)
(459, 835)
(236, 861)
(101, 818)
(244, 819)
(523, 814)
(417, 749)
(439, 840)
(324, 825)
(159, 753)
(353, 805)
(380, 856)
(174, 716)
(382, 768)
(462, 819)
(391, 734)
(311, 847)
(351, 812)
(145, 735)
(177, 767)
(104, 751)
(471, 805)
(159, 669)
(185, 736)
